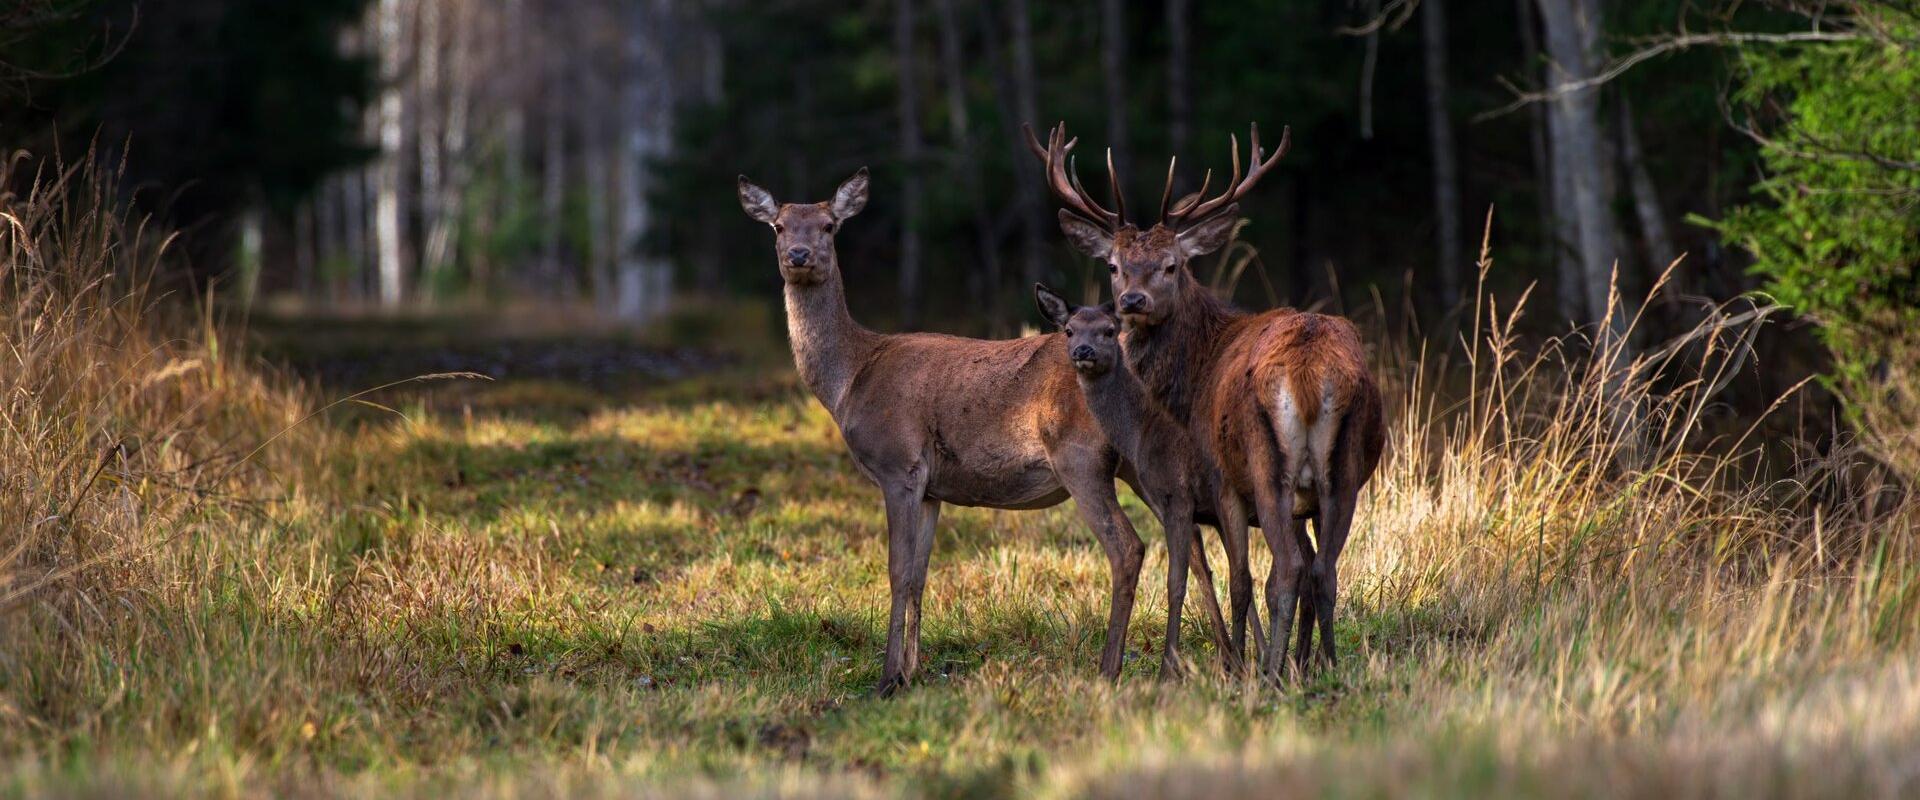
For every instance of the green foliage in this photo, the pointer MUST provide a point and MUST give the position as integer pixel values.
(1836, 228)
(218, 104)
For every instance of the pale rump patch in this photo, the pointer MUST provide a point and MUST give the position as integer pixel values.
(1308, 446)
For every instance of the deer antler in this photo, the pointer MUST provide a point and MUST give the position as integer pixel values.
(1194, 210)
(1064, 179)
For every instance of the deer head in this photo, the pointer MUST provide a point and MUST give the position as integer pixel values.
(1148, 267)
(1093, 332)
(803, 232)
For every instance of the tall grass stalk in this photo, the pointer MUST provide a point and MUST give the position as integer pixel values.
(1574, 573)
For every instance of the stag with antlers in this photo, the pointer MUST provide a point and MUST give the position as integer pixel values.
(1280, 403)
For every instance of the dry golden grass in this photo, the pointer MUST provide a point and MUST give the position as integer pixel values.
(1559, 585)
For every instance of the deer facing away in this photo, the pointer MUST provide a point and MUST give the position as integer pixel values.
(1281, 402)
(935, 419)
(1168, 472)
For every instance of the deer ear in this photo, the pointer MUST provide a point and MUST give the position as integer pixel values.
(757, 202)
(1210, 234)
(851, 196)
(1052, 305)
(1086, 237)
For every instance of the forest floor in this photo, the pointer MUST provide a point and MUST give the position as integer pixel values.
(626, 568)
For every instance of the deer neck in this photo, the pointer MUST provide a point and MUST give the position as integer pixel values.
(1172, 357)
(1121, 407)
(828, 346)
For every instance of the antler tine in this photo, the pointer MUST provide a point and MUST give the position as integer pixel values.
(1166, 195)
(1064, 178)
(1237, 187)
(1113, 185)
(1033, 142)
(1194, 199)
(1235, 150)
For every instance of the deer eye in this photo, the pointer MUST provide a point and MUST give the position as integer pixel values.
(1112, 270)
(1169, 268)
(779, 228)
(828, 228)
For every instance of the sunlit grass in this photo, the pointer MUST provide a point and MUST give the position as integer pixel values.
(1556, 587)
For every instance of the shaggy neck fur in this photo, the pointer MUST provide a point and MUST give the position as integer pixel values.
(1172, 356)
(828, 346)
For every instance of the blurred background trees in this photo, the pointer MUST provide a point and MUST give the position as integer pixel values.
(408, 153)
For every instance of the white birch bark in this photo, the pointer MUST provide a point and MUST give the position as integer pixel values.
(1572, 36)
(389, 226)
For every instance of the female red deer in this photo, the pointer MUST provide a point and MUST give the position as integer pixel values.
(938, 419)
(1280, 402)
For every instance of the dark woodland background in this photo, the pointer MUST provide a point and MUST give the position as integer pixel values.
(413, 153)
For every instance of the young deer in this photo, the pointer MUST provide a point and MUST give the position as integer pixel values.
(1168, 472)
(935, 419)
(1280, 403)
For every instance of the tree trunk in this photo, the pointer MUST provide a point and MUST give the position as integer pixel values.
(712, 91)
(429, 118)
(329, 233)
(910, 200)
(1113, 56)
(553, 166)
(1034, 221)
(1546, 176)
(1369, 64)
(1179, 76)
(598, 263)
(1646, 194)
(353, 214)
(511, 26)
(389, 225)
(1572, 35)
(306, 245)
(643, 280)
(453, 96)
(983, 277)
(1446, 168)
(252, 246)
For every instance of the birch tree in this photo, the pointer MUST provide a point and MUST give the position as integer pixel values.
(389, 225)
(1581, 163)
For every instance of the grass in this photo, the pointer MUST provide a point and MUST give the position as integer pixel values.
(560, 587)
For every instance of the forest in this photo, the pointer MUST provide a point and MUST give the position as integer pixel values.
(395, 399)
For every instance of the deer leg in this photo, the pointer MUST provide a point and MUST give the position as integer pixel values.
(1233, 535)
(1274, 503)
(1303, 646)
(910, 524)
(1210, 603)
(1335, 522)
(1178, 526)
(1100, 509)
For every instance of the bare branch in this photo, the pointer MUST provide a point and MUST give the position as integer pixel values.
(1394, 15)
(1662, 47)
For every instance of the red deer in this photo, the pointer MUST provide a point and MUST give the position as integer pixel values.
(935, 419)
(1280, 402)
(1168, 473)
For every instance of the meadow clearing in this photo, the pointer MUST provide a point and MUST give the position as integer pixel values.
(656, 572)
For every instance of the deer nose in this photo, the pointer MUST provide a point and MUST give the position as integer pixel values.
(1083, 353)
(1133, 301)
(799, 256)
